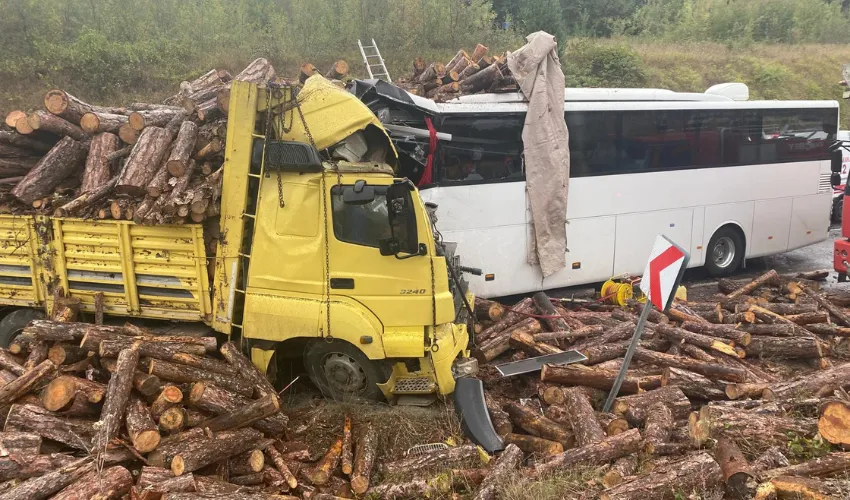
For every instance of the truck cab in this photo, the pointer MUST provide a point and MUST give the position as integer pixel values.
(327, 255)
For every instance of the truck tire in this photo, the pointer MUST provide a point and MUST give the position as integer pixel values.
(725, 252)
(837, 208)
(14, 322)
(342, 372)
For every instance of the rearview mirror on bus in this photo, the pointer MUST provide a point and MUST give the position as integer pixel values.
(836, 160)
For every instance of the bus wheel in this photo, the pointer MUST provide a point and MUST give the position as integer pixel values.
(14, 322)
(725, 252)
(342, 372)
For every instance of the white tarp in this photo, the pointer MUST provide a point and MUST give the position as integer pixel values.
(537, 70)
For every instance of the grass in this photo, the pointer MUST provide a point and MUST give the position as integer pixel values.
(576, 483)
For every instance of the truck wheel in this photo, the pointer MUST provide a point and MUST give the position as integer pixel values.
(725, 252)
(342, 372)
(14, 322)
(837, 208)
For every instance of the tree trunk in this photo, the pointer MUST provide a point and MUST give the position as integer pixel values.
(433, 72)
(146, 384)
(150, 347)
(60, 392)
(140, 426)
(772, 458)
(483, 79)
(636, 408)
(737, 473)
(715, 421)
(538, 425)
(246, 368)
(516, 314)
(181, 153)
(443, 458)
(188, 374)
(117, 395)
(619, 471)
(110, 484)
(500, 342)
(339, 69)
(697, 339)
(72, 109)
(842, 317)
(97, 171)
(659, 427)
(194, 455)
(696, 473)
(326, 466)
(607, 450)
(534, 445)
(143, 160)
(461, 54)
(20, 467)
(504, 466)
(41, 487)
(488, 310)
(62, 160)
(741, 338)
(247, 462)
(834, 422)
(35, 146)
(710, 370)
(26, 381)
(544, 305)
(582, 419)
(588, 376)
(364, 458)
(347, 457)
(75, 433)
(244, 416)
(787, 348)
(140, 120)
(258, 71)
(525, 342)
(499, 417)
(218, 401)
(692, 384)
(277, 460)
(829, 464)
(47, 122)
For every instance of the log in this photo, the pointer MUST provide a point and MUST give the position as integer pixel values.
(364, 458)
(146, 384)
(60, 392)
(76, 433)
(65, 354)
(96, 123)
(195, 454)
(787, 348)
(347, 457)
(187, 374)
(737, 473)
(505, 465)
(72, 109)
(97, 171)
(140, 426)
(164, 348)
(741, 338)
(612, 424)
(172, 419)
(307, 70)
(117, 395)
(26, 466)
(538, 425)
(245, 415)
(501, 341)
(216, 400)
(339, 69)
(586, 428)
(710, 370)
(488, 310)
(483, 79)
(827, 465)
(44, 486)
(128, 134)
(327, 464)
(809, 318)
(772, 458)
(693, 385)
(433, 72)
(13, 116)
(544, 305)
(479, 52)
(636, 408)
(524, 341)
(841, 316)
(619, 471)
(246, 369)
(499, 417)
(514, 315)
(461, 54)
(258, 71)
(468, 71)
(588, 376)
(141, 165)
(47, 122)
(248, 462)
(534, 445)
(834, 422)
(436, 487)
(697, 473)
(681, 335)
(802, 488)
(35, 146)
(11, 363)
(37, 354)
(19, 444)
(26, 381)
(110, 484)
(829, 330)
(139, 120)
(715, 421)
(63, 159)
(571, 336)
(184, 145)
(279, 463)
(607, 450)
(770, 277)
(659, 427)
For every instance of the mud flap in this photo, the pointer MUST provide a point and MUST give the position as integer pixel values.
(472, 412)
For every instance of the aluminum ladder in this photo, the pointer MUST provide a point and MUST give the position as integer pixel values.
(374, 62)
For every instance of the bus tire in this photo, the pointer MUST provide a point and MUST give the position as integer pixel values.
(725, 252)
(14, 322)
(342, 372)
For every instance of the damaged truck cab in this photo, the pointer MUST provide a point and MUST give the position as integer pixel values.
(328, 255)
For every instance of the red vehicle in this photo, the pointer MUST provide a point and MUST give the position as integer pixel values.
(841, 252)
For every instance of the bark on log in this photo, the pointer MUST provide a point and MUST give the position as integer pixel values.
(117, 395)
(525, 342)
(26, 381)
(772, 458)
(181, 153)
(659, 427)
(741, 338)
(347, 458)
(696, 473)
(787, 348)
(19, 444)
(143, 160)
(693, 385)
(65, 354)
(809, 318)
(60, 392)
(507, 462)
(11, 363)
(822, 299)
(326, 466)
(364, 458)
(63, 159)
(436, 487)
(26, 466)
(443, 458)
(571, 336)
(139, 120)
(834, 422)
(612, 424)
(586, 428)
(339, 69)
(501, 341)
(246, 415)
(247, 462)
(47, 122)
(544, 305)
(164, 348)
(588, 376)
(246, 369)
(534, 445)
(146, 384)
(218, 401)
(610, 449)
(710, 370)
(802, 488)
(194, 455)
(76, 433)
(128, 134)
(499, 417)
(770, 277)
(258, 71)
(461, 54)
(187, 374)
(619, 471)
(72, 109)
(827, 465)
(516, 314)
(97, 171)
(110, 484)
(96, 123)
(538, 425)
(35, 146)
(140, 426)
(41, 487)
(37, 354)
(737, 473)
(277, 460)
(715, 421)
(636, 408)
(488, 310)
(433, 72)
(697, 339)
(483, 79)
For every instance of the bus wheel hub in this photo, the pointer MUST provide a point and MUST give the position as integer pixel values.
(344, 374)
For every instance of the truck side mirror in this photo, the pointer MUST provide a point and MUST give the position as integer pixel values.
(835, 179)
(836, 157)
(402, 219)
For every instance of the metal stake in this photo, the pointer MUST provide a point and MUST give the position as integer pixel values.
(618, 382)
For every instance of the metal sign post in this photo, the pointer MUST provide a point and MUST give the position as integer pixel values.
(662, 276)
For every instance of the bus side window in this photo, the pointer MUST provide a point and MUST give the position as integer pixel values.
(483, 148)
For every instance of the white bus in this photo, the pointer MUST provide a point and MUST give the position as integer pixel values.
(725, 177)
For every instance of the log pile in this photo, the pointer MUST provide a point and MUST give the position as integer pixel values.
(149, 163)
(716, 394)
(466, 73)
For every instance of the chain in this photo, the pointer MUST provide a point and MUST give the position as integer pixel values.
(433, 301)
(280, 201)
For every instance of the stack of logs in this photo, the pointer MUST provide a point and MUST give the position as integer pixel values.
(150, 163)
(716, 392)
(465, 74)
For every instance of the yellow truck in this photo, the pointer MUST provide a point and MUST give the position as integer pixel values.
(324, 254)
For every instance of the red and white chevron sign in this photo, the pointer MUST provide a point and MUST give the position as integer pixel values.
(663, 272)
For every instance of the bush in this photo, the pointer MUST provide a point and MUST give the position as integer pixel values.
(587, 64)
